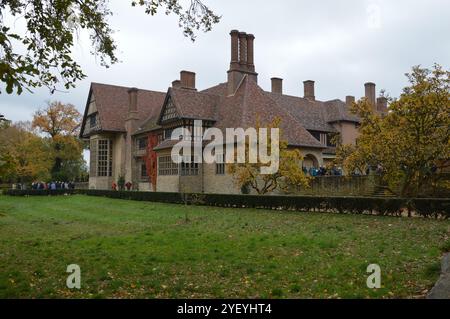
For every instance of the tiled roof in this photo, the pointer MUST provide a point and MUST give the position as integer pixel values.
(249, 103)
(314, 115)
(338, 111)
(219, 89)
(165, 144)
(195, 105)
(242, 109)
(112, 105)
(150, 124)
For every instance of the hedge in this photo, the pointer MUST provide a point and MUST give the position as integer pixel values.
(426, 207)
(40, 192)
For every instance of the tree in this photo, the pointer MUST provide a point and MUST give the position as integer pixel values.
(289, 176)
(57, 119)
(24, 156)
(61, 123)
(4, 123)
(411, 144)
(52, 26)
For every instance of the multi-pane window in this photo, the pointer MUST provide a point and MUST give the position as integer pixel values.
(104, 158)
(220, 164)
(166, 166)
(142, 143)
(189, 169)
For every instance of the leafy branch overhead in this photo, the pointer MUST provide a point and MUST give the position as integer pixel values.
(42, 56)
(196, 17)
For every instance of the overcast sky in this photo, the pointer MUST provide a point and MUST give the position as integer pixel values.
(339, 44)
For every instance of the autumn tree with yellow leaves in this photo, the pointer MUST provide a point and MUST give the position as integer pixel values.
(60, 123)
(289, 176)
(411, 144)
(24, 156)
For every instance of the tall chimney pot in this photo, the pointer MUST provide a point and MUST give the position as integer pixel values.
(234, 49)
(370, 93)
(243, 48)
(250, 52)
(242, 60)
(308, 87)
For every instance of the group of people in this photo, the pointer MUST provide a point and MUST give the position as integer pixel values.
(322, 171)
(52, 185)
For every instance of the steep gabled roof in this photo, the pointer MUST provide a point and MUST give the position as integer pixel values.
(339, 111)
(249, 103)
(189, 104)
(112, 105)
(194, 105)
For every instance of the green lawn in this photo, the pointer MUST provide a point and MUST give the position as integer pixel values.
(132, 249)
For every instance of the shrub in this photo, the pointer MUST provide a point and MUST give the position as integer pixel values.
(426, 207)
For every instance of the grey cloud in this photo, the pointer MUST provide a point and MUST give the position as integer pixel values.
(326, 41)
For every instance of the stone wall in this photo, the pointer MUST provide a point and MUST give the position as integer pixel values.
(167, 183)
(341, 185)
(100, 182)
(218, 184)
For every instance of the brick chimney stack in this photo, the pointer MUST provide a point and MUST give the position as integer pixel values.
(187, 80)
(250, 53)
(132, 100)
(242, 59)
(370, 94)
(277, 85)
(176, 84)
(234, 49)
(308, 87)
(349, 100)
(382, 104)
(243, 49)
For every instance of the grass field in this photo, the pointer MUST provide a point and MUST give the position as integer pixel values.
(132, 249)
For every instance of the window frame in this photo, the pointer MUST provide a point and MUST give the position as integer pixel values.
(220, 164)
(104, 158)
(189, 169)
(142, 147)
(166, 167)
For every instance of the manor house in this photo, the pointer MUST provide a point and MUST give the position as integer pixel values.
(129, 129)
